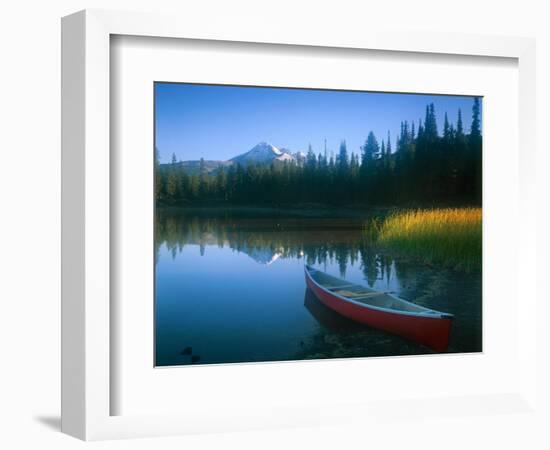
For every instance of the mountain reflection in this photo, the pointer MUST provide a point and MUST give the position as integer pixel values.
(318, 240)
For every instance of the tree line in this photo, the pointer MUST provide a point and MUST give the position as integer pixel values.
(426, 167)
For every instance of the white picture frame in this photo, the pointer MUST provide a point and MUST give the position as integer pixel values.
(86, 219)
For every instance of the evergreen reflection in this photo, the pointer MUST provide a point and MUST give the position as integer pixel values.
(319, 241)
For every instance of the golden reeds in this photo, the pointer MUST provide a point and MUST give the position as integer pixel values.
(447, 236)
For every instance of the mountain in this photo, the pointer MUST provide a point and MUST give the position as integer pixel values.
(262, 153)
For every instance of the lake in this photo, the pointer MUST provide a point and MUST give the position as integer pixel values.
(230, 288)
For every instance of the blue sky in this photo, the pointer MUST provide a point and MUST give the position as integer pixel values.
(220, 122)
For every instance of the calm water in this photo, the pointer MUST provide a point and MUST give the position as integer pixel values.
(230, 288)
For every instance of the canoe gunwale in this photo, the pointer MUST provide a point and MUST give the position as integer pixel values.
(433, 314)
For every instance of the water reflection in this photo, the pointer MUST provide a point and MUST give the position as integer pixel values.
(319, 241)
(230, 285)
(325, 316)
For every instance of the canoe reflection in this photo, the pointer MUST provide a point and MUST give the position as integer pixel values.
(327, 318)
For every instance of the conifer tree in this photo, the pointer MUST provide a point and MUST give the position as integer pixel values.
(459, 126)
(446, 129)
(420, 134)
(371, 150)
(430, 125)
(311, 160)
(343, 157)
(475, 129)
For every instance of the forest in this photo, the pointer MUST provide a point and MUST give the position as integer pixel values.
(424, 166)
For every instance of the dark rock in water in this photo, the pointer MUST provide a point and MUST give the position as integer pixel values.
(187, 351)
(195, 358)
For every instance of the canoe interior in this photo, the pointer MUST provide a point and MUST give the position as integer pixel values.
(363, 294)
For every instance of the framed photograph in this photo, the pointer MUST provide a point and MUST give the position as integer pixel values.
(302, 248)
(251, 219)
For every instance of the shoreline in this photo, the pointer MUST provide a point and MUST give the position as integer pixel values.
(301, 210)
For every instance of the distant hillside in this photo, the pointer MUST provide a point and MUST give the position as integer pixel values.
(193, 167)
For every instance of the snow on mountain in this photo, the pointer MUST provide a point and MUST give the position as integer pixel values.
(262, 153)
(262, 256)
(285, 157)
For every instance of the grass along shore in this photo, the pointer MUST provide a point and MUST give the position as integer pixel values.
(448, 236)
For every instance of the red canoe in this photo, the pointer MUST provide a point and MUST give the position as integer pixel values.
(381, 310)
